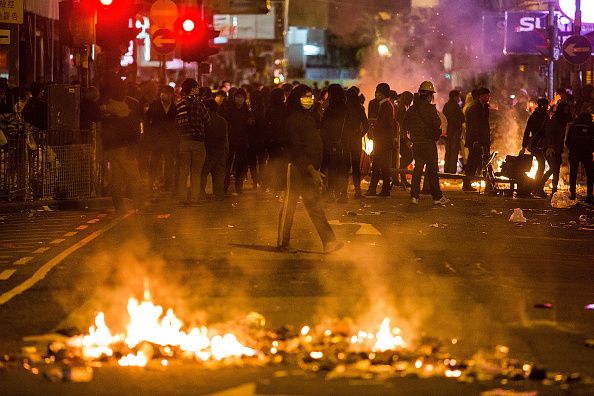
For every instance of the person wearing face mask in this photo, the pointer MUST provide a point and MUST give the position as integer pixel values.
(303, 175)
(383, 135)
(478, 136)
(424, 125)
(161, 143)
(239, 120)
(455, 116)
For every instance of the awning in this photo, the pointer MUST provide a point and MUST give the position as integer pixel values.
(45, 8)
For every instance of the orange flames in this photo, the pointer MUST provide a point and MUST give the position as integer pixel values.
(148, 324)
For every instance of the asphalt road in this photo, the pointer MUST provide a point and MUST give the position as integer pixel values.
(462, 271)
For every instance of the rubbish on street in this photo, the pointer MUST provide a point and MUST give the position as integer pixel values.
(494, 211)
(589, 342)
(583, 219)
(45, 208)
(69, 374)
(517, 216)
(544, 306)
(508, 392)
(589, 307)
(561, 200)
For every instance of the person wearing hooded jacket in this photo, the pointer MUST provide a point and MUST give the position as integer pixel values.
(580, 142)
(356, 127)
(534, 139)
(424, 125)
(239, 119)
(304, 178)
(553, 145)
(478, 135)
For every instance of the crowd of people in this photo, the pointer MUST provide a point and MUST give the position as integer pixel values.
(173, 141)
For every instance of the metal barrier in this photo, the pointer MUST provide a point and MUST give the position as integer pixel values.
(38, 164)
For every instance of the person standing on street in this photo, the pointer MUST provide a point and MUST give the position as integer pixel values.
(303, 175)
(192, 120)
(161, 139)
(239, 120)
(217, 149)
(553, 145)
(534, 140)
(120, 134)
(455, 116)
(424, 125)
(478, 136)
(580, 142)
(383, 142)
(355, 128)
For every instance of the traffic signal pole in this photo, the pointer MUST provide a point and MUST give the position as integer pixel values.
(552, 36)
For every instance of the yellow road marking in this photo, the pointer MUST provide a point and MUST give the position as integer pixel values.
(93, 221)
(42, 272)
(82, 227)
(23, 260)
(6, 274)
(57, 241)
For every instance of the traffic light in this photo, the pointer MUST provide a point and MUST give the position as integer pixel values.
(195, 35)
(115, 26)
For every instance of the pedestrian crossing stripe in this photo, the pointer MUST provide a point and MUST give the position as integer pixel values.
(71, 233)
(82, 227)
(23, 260)
(4, 275)
(57, 241)
(41, 250)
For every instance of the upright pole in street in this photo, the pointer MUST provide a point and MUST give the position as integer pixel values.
(577, 26)
(552, 46)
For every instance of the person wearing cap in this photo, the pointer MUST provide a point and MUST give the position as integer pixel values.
(478, 136)
(383, 142)
(424, 125)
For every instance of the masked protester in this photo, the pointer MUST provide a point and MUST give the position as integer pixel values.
(455, 116)
(534, 140)
(553, 145)
(356, 127)
(303, 176)
(424, 125)
(580, 142)
(217, 149)
(406, 155)
(239, 119)
(383, 142)
(192, 120)
(162, 141)
(478, 135)
(276, 139)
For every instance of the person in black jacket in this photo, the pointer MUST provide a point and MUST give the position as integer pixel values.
(305, 180)
(455, 116)
(424, 126)
(580, 142)
(239, 119)
(334, 121)
(120, 135)
(406, 155)
(383, 135)
(553, 145)
(534, 139)
(478, 136)
(355, 128)
(276, 139)
(217, 148)
(161, 138)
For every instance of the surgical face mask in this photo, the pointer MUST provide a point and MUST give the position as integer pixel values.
(307, 102)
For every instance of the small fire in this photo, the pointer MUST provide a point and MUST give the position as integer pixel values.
(388, 339)
(148, 324)
(367, 144)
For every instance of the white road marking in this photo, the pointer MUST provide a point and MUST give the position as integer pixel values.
(23, 260)
(71, 233)
(43, 271)
(4, 275)
(364, 228)
(57, 241)
(41, 250)
(93, 221)
(82, 227)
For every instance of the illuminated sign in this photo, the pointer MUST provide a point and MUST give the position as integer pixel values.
(568, 8)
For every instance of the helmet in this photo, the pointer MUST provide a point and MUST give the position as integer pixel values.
(427, 86)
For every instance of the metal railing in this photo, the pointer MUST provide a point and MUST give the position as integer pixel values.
(37, 164)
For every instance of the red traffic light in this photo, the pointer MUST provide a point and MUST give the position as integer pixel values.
(188, 25)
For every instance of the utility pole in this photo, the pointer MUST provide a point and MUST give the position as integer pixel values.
(552, 37)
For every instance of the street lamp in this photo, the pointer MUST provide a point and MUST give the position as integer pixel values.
(106, 2)
(383, 50)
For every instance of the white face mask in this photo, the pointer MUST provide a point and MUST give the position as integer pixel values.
(307, 102)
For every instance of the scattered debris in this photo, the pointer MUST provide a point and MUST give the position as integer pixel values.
(45, 208)
(544, 306)
(508, 392)
(589, 307)
(350, 213)
(583, 219)
(494, 211)
(230, 226)
(560, 200)
(69, 374)
(589, 342)
(517, 216)
(164, 216)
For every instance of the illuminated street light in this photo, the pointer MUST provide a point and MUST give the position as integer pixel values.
(568, 8)
(188, 25)
(106, 2)
(384, 50)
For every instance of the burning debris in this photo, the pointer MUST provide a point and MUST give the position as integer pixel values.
(157, 337)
